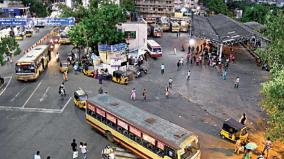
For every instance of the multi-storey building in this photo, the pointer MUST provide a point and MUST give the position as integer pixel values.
(155, 7)
(191, 3)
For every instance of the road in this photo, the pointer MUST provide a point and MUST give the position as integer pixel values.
(34, 117)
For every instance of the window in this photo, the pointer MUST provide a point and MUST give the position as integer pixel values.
(130, 34)
(101, 112)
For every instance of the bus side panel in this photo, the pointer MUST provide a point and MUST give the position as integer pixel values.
(125, 141)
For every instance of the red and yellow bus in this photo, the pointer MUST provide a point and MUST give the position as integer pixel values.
(145, 134)
(33, 63)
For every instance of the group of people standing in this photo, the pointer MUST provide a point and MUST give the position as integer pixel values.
(83, 148)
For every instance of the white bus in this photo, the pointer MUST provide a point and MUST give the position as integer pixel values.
(33, 63)
(154, 49)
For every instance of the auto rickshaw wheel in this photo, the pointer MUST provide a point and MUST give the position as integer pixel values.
(109, 136)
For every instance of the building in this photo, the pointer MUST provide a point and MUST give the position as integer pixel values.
(191, 3)
(136, 34)
(155, 7)
(13, 9)
(278, 3)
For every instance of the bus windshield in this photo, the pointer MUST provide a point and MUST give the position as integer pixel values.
(190, 150)
(25, 68)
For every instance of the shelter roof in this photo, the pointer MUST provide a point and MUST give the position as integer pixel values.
(221, 29)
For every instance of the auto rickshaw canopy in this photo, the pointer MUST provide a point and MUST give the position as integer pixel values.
(118, 73)
(232, 125)
(80, 95)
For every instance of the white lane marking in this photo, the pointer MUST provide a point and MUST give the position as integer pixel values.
(17, 94)
(31, 95)
(36, 110)
(6, 85)
(44, 95)
(66, 104)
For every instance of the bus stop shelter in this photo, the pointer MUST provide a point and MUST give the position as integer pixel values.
(221, 30)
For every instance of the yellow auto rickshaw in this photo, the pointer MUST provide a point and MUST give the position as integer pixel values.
(233, 130)
(20, 36)
(119, 77)
(64, 66)
(80, 98)
(89, 71)
(29, 33)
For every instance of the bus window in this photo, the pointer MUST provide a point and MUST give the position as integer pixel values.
(157, 49)
(25, 68)
(111, 120)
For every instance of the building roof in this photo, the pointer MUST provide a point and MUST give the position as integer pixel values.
(221, 29)
(255, 26)
(161, 129)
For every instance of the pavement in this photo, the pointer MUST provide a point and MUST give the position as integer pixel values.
(34, 117)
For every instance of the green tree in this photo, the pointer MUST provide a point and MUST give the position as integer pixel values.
(8, 45)
(273, 90)
(99, 27)
(218, 6)
(256, 12)
(129, 5)
(37, 7)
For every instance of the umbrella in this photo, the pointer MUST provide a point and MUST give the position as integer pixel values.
(251, 146)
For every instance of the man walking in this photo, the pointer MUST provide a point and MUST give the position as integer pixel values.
(267, 146)
(144, 94)
(170, 82)
(178, 64)
(84, 150)
(74, 145)
(162, 68)
(133, 94)
(181, 61)
(188, 75)
(237, 81)
(37, 156)
(167, 92)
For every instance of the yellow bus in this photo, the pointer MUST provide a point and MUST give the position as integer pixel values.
(175, 26)
(30, 66)
(145, 134)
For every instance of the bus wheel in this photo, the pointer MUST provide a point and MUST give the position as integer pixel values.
(109, 136)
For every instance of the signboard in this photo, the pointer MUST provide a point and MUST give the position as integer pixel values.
(37, 21)
(13, 21)
(116, 48)
(54, 21)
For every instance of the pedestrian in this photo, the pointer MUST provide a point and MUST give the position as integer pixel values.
(178, 64)
(48, 157)
(37, 156)
(162, 68)
(75, 154)
(267, 146)
(101, 91)
(188, 75)
(65, 75)
(181, 61)
(237, 81)
(261, 156)
(238, 146)
(170, 82)
(167, 92)
(144, 94)
(247, 154)
(100, 79)
(175, 50)
(83, 147)
(133, 94)
(74, 145)
(224, 74)
(177, 34)
(243, 119)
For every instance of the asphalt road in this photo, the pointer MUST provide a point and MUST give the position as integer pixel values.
(34, 117)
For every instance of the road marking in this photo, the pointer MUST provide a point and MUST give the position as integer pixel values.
(66, 104)
(17, 94)
(44, 95)
(31, 95)
(36, 110)
(6, 85)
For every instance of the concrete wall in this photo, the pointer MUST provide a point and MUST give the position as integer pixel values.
(141, 34)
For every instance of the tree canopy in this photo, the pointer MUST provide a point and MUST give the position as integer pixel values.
(129, 5)
(96, 24)
(37, 7)
(273, 90)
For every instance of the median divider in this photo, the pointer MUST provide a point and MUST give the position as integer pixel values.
(39, 42)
